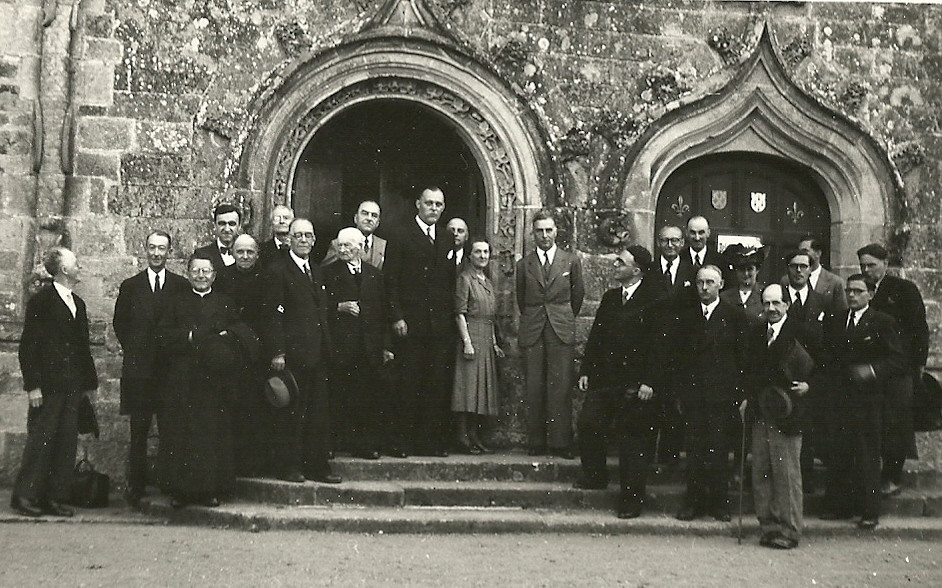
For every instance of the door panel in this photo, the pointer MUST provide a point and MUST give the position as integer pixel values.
(750, 195)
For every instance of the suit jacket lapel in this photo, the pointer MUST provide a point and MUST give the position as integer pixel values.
(535, 269)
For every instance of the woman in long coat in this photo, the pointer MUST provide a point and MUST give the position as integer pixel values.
(474, 396)
(197, 333)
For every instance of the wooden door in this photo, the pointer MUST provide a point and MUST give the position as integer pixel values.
(749, 196)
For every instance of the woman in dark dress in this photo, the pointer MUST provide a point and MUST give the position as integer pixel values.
(195, 458)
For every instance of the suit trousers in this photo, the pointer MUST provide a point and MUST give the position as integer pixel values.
(51, 442)
(251, 426)
(776, 480)
(853, 474)
(708, 429)
(140, 422)
(602, 411)
(549, 369)
(423, 407)
(301, 430)
(355, 406)
(897, 427)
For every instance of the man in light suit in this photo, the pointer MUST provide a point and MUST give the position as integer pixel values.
(58, 370)
(900, 299)
(366, 219)
(297, 337)
(279, 243)
(829, 285)
(227, 225)
(137, 310)
(862, 354)
(420, 284)
(550, 291)
(357, 311)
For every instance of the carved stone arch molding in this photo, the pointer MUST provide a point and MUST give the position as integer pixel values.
(499, 129)
(762, 111)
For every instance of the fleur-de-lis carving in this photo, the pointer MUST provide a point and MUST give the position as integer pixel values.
(680, 208)
(794, 212)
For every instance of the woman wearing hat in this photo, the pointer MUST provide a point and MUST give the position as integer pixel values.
(745, 261)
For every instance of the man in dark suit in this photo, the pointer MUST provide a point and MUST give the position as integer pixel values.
(57, 368)
(137, 310)
(862, 354)
(698, 252)
(366, 219)
(459, 232)
(245, 285)
(809, 309)
(829, 285)
(900, 299)
(278, 244)
(227, 223)
(776, 438)
(420, 285)
(620, 376)
(297, 337)
(357, 306)
(550, 291)
(707, 367)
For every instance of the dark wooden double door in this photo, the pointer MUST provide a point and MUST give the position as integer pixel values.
(746, 197)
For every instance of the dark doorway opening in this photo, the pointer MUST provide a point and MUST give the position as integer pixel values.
(749, 195)
(388, 151)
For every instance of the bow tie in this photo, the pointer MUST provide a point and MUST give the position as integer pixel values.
(225, 251)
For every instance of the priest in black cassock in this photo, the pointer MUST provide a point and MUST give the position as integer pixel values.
(198, 332)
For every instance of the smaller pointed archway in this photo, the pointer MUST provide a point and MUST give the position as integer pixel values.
(762, 111)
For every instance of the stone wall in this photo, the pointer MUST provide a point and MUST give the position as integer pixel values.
(118, 116)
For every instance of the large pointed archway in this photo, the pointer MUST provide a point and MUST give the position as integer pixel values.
(762, 111)
(403, 58)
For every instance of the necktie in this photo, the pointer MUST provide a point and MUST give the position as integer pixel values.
(428, 233)
(625, 297)
(157, 284)
(851, 323)
(770, 335)
(706, 313)
(366, 247)
(282, 246)
(696, 260)
(546, 266)
(667, 272)
(307, 272)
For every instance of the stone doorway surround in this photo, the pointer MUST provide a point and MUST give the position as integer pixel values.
(762, 111)
(393, 62)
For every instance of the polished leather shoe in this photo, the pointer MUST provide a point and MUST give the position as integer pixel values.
(586, 484)
(830, 515)
(177, 502)
(868, 524)
(722, 516)
(438, 453)
(368, 454)
(687, 514)
(466, 448)
(211, 502)
(632, 512)
(477, 443)
(133, 497)
(327, 479)
(55, 509)
(890, 489)
(564, 452)
(396, 452)
(767, 538)
(782, 542)
(25, 507)
(535, 451)
(293, 476)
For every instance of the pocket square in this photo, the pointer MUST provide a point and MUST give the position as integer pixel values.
(565, 274)
(868, 338)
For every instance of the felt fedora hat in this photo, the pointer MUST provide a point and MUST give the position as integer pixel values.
(280, 388)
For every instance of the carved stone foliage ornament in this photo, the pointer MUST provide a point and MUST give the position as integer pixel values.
(458, 110)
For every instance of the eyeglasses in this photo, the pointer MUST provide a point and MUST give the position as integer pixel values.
(299, 236)
(202, 271)
(799, 265)
(283, 217)
(671, 240)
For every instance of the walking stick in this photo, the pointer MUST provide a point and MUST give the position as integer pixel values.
(742, 468)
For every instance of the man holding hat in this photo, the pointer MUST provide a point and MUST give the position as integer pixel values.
(776, 383)
(619, 375)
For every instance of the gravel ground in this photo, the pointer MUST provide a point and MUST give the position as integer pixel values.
(51, 554)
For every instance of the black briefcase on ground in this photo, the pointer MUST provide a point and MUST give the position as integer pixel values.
(89, 487)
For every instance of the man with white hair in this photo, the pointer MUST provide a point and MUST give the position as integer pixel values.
(279, 243)
(366, 219)
(356, 309)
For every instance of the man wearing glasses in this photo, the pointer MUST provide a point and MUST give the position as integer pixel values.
(297, 338)
(676, 276)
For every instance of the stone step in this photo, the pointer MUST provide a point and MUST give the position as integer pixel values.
(665, 499)
(250, 516)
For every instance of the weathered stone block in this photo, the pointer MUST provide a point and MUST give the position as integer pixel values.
(113, 134)
(94, 83)
(17, 194)
(99, 25)
(162, 137)
(194, 203)
(137, 200)
(97, 236)
(8, 67)
(88, 194)
(107, 50)
(164, 170)
(98, 164)
(151, 106)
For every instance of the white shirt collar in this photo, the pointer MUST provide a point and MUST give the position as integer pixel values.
(859, 313)
(744, 296)
(64, 291)
(548, 254)
(629, 291)
(298, 261)
(203, 294)
(355, 266)
(151, 274)
(701, 254)
(709, 308)
(804, 293)
(814, 277)
(427, 229)
(777, 327)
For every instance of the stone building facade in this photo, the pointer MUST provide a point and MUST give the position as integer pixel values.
(121, 116)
